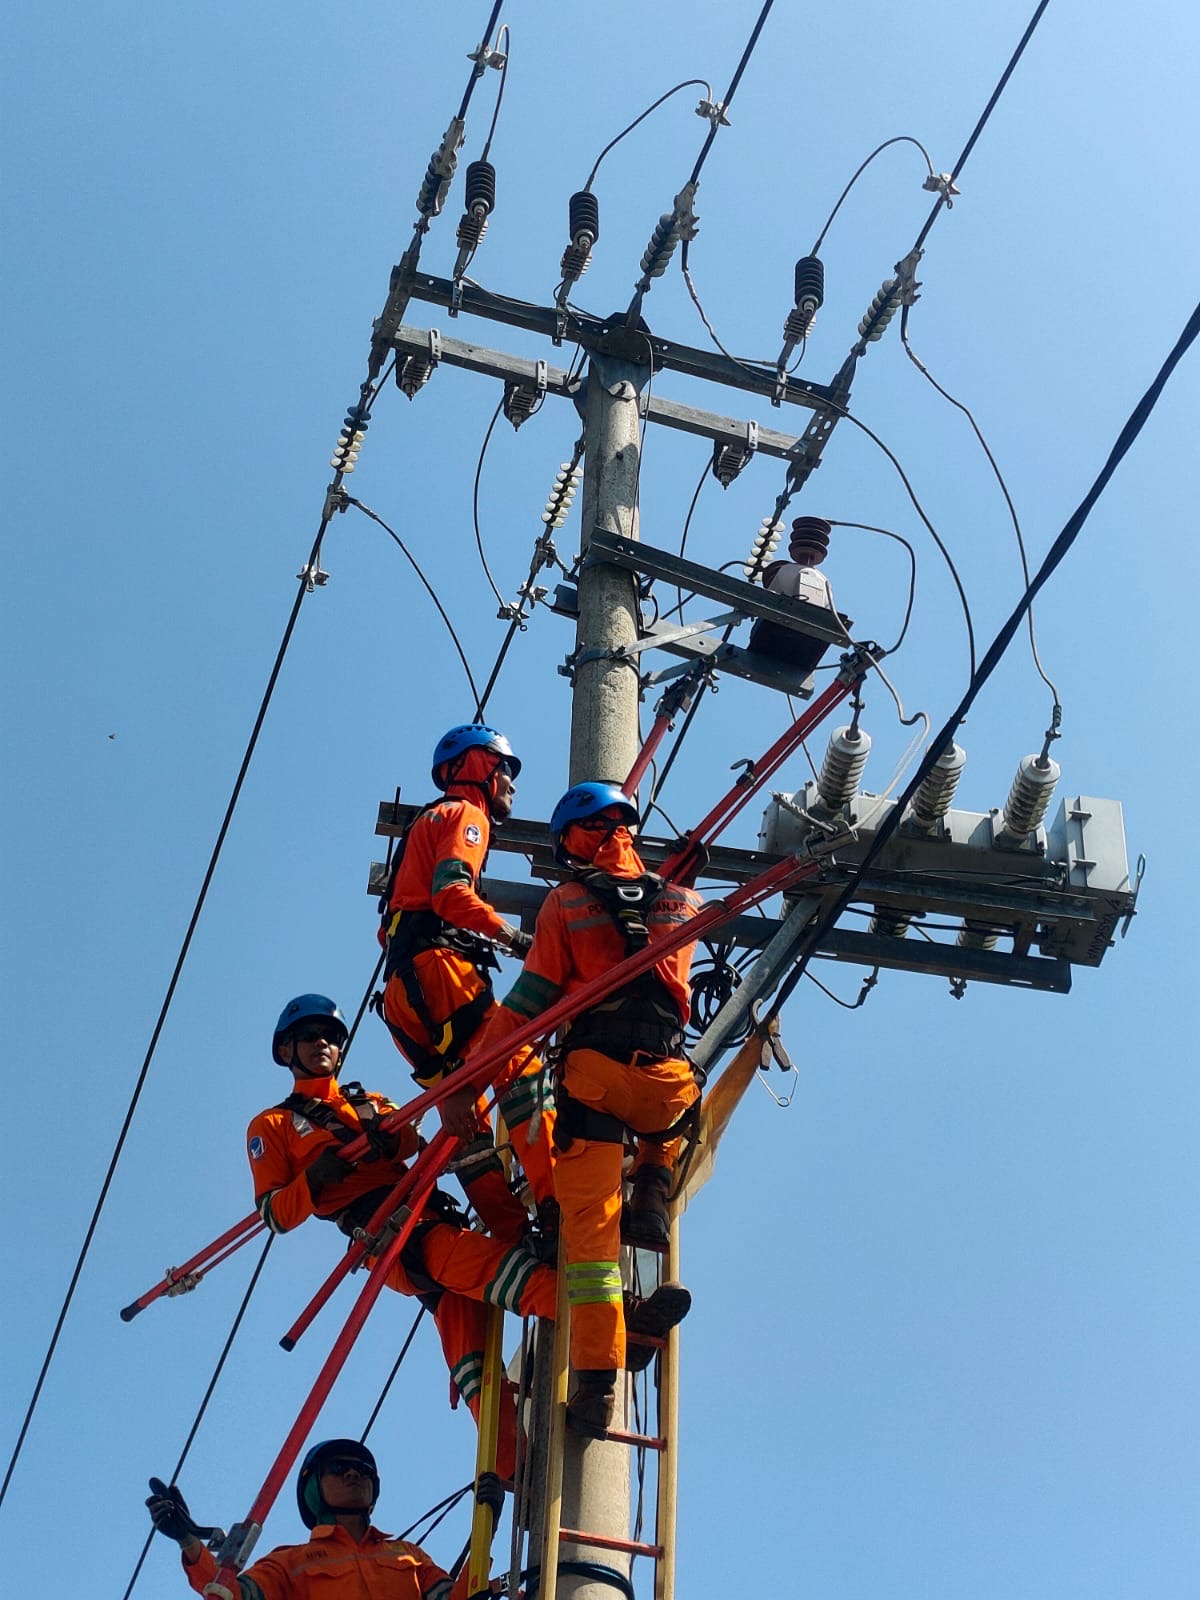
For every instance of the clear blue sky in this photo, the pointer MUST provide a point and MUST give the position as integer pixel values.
(944, 1334)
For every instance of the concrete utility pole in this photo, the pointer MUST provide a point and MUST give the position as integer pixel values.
(604, 744)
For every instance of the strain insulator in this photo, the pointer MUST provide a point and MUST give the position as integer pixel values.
(350, 440)
(891, 924)
(764, 546)
(932, 800)
(668, 231)
(977, 935)
(1029, 796)
(880, 312)
(837, 782)
(566, 482)
(440, 171)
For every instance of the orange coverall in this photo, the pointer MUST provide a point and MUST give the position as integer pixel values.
(333, 1565)
(442, 862)
(575, 941)
(471, 1270)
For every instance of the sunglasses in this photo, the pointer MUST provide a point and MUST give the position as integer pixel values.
(337, 1466)
(327, 1033)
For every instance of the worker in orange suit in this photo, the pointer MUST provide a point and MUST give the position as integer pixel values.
(622, 1072)
(345, 1558)
(440, 936)
(298, 1173)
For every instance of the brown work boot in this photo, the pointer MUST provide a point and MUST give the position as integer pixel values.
(591, 1408)
(654, 1318)
(648, 1219)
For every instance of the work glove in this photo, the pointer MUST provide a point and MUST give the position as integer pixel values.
(326, 1170)
(384, 1142)
(169, 1513)
(519, 942)
(489, 1492)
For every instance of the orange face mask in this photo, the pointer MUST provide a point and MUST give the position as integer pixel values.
(611, 853)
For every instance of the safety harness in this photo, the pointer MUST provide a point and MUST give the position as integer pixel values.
(352, 1219)
(405, 935)
(639, 1024)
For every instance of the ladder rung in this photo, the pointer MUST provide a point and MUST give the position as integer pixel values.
(654, 1339)
(644, 1441)
(603, 1542)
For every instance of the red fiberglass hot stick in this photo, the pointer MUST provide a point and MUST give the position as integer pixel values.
(203, 1261)
(235, 1552)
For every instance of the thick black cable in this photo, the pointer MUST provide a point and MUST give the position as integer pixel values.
(429, 589)
(444, 1506)
(208, 1394)
(900, 138)
(982, 123)
(688, 83)
(507, 37)
(480, 66)
(870, 527)
(732, 89)
(1054, 557)
(170, 994)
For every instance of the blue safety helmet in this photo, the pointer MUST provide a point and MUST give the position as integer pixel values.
(471, 736)
(587, 800)
(306, 1008)
(308, 1482)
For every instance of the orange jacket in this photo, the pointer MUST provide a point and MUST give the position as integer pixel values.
(576, 940)
(281, 1144)
(334, 1566)
(442, 862)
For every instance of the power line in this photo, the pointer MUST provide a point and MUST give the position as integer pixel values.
(1054, 557)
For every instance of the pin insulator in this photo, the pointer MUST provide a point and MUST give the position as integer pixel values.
(891, 924)
(350, 440)
(481, 186)
(810, 296)
(583, 214)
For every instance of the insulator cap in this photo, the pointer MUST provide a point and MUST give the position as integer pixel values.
(932, 800)
(1030, 795)
(837, 782)
(583, 211)
(481, 186)
(810, 284)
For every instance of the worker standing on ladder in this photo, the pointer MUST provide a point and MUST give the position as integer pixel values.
(298, 1173)
(622, 1071)
(440, 936)
(345, 1557)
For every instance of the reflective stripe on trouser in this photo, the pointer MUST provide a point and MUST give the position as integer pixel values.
(588, 1184)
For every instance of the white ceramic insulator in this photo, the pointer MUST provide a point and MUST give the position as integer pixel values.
(977, 936)
(893, 923)
(843, 767)
(932, 800)
(1030, 795)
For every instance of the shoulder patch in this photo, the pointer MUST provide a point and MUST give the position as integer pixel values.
(256, 1147)
(471, 833)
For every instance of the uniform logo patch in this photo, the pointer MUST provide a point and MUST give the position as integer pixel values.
(473, 834)
(256, 1148)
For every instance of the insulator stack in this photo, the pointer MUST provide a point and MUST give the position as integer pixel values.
(350, 439)
(766, 542)
(977, 935)
(566, 482)
(661, 248)
(810, 296)
(932, 800)
(891, 924)
(837, 782)
(1030, 795)
(440, 171)
(583, 224)
(481, 202)
(880, 312)
(414, 374)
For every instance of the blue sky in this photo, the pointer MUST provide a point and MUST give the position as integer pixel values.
(943, 1339)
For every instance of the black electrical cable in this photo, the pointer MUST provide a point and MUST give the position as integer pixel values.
(1008, 500)
(506, 36)
(980, 125)
(208, 1394)
(480, 65)
(170, 994)
(732, 89)
(444, 1506)
(383, 1393)
(900, 138)
(912, 578)
(1054, 557)
(688, 83)
(487, 439)
(375, 517)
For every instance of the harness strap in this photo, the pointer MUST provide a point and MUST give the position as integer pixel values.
(575, 1120)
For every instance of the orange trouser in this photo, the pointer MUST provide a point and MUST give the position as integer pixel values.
(473, 1273)
(587, 1181)
(448, 982)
